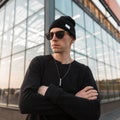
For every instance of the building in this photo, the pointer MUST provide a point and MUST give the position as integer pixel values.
(22, 27)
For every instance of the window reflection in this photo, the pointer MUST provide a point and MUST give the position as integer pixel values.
(4, 78)
(80, 43)
(63, 7)
(78, 15)
(104, 37)
(91, 51)
(80, 58)
(9, 15)
(21, 11)
(35, 34)
(93, 66)
(109, 82)
(31, 53)
(1, 20)
(88, 25)
(17, 73)
(97, 31)
(99, 50)
(7, 43)
(35, 5)
(19, 37)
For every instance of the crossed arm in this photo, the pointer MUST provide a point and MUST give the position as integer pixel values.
(52, 100)
(84, 104)
(88, 92)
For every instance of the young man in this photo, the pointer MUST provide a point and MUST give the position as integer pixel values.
(56, 87)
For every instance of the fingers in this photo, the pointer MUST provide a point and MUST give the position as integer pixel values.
(87, 88)
(88, 92)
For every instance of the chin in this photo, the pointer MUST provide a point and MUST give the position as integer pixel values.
(56, 51)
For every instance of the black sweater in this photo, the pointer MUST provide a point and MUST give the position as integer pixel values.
(59, 103)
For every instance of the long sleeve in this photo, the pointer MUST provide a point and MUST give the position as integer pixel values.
(78, 108)
(30, 101)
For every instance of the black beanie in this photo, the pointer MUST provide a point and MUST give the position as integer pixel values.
(66, 23)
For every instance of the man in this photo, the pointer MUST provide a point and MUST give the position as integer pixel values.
(56, 87)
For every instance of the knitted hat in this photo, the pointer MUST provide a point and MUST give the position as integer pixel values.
(66, 23)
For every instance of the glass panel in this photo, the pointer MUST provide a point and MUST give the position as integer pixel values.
(21, 11)
(35, 32)
(97, 32)
(19, 37)
(93, 66)
(35, 5)
(9, 16)
(99, 50)
(88, 24)
(78, 15)
(110, 41)
(17, 72)
(0, 44)
(109, 82)
(115, 82)
(1, 20)
(91, 51)
(102, 82)
(63, 7)
(80, 58)
(57, 14)
(112, 58)
(106, 54)
(80, 45)
(4, 80)
(7, 43)
(104, 36)
(30, 54)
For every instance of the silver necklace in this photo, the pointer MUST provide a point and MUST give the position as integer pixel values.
(61, 78)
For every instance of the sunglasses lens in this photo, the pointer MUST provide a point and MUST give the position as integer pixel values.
(60, 34)
(49, 36)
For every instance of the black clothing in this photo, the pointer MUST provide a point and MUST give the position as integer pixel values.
(59, 103)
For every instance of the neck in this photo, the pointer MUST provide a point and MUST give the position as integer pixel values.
(64, 59)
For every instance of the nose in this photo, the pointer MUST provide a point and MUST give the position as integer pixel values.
(54, 37)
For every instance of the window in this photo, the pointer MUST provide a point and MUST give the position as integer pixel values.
(19, 37)
(63, 7)
(7, 43)
(17, 73)
(78, 15)
(4, 80)
(35, 33)
(20, 11)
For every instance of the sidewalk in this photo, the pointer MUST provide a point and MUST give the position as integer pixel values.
(113, 115)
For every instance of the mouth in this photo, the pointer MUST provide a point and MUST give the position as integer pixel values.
(55, 45)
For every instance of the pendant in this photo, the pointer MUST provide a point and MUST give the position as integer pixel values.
(60, 82)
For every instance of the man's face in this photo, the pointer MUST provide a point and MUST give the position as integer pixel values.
(60, 40)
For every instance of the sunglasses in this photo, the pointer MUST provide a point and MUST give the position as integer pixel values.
(58, 34)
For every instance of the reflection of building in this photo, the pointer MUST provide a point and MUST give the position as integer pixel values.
(22, 27)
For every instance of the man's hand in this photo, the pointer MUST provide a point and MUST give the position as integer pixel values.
(88, 92)
(42, 90)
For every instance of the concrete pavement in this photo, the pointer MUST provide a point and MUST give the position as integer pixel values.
(113, 115)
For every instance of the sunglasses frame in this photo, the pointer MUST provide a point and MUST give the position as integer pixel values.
(59, 34)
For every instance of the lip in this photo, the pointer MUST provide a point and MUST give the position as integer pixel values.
(55, 45)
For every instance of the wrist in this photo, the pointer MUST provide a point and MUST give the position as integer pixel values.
(42, 90)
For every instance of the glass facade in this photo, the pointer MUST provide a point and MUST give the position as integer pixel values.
(22, 38)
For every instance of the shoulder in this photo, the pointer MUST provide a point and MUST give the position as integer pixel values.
(82, 68)
(42, 58)
(79, 65)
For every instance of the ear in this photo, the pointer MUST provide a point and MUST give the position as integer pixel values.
(73, 40)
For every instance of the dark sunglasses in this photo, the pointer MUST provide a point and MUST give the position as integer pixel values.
(58, 34)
